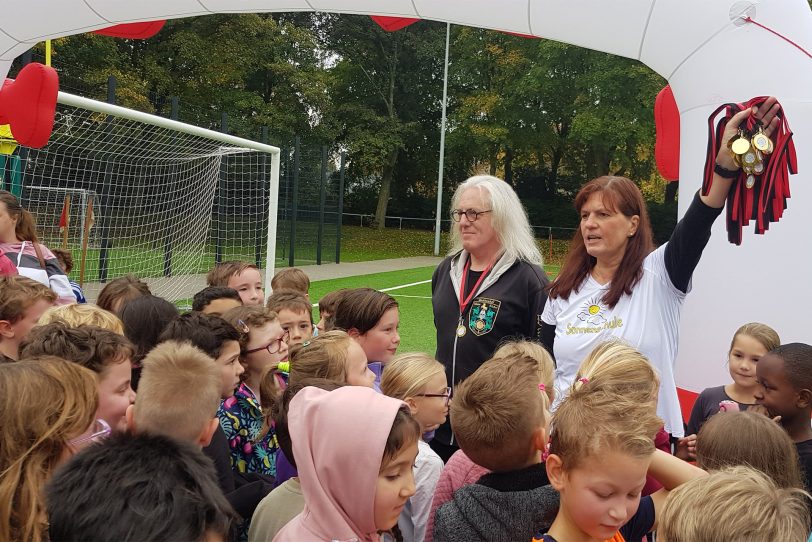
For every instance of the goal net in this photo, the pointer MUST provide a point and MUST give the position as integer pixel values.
(131, 193)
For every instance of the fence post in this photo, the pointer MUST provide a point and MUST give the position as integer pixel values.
(294, 205)
(104, 191)
(551, 243)
(259, 248)
(173, 114)
(218, 241)
(340, 207)
(322, 197)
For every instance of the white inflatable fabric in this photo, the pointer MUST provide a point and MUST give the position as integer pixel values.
(705, 49)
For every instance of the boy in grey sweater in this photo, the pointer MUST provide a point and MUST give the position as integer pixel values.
(499, 417)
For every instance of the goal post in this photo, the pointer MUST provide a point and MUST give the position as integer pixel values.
(161, 199)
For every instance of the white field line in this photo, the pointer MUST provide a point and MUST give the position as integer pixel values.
(405, 285)
(399, 287)
(413, 296)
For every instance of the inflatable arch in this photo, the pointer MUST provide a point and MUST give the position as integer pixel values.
(710, 51)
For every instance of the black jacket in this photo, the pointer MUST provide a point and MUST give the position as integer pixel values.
(508, 304)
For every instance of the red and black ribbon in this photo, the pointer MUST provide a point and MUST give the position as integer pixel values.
(767, 200)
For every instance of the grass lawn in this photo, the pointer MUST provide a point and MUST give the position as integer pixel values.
(358, 244)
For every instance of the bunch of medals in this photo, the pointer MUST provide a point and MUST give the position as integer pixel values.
(760, 190)
(749, 150)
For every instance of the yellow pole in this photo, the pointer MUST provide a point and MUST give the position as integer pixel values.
(47, 52)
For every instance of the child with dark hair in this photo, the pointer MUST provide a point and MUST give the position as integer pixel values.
(372, 319)
(295, 314)
(144, 319)
(22, 302)
(216, 300)
(286, 501)
(65, 259)
(164, 490)
(221, 341)
(104, 352)
(119, 291)
(785, 390)
(354, 488)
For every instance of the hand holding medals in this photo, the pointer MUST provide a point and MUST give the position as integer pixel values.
(751, 145)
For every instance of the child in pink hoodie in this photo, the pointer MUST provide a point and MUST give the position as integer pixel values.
(354, 488)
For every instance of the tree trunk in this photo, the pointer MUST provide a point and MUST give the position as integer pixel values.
(509, 166)
(671, 191)
(386, 188)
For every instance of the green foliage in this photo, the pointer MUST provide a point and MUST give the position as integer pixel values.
(544, 116)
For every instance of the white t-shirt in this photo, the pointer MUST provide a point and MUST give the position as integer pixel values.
(415, 515)
(648, 319)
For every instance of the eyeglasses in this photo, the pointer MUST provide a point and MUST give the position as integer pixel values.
(99, 431)
(446, 394)
(471, 214)
(274, 346)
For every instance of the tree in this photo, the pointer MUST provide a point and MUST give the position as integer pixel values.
(379, 91)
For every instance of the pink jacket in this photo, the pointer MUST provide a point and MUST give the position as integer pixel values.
(458, 472)
(338, 442)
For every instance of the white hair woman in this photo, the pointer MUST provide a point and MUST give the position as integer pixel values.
(490, 286)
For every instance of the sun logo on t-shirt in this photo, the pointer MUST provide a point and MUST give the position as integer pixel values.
(592, 312)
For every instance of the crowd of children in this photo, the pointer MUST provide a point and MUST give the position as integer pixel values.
(125, 420)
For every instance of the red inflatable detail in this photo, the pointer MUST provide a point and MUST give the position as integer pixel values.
(687, 399)
(391, 24)
(28, 104)
(133, 31)
(666, 147)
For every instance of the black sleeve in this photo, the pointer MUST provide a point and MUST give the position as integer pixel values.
(690, 236)
(547, 337)
(697, 416)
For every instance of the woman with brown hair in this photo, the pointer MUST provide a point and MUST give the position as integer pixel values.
(19, 242)
(614, 284)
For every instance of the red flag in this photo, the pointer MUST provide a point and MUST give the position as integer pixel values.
(64, 219)
(391, 24)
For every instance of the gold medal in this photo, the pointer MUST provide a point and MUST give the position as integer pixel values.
(460, 330)
(771, 147)
(749, 159)
(758, 168)
(740, 144)
(761, 141)
(750, 182)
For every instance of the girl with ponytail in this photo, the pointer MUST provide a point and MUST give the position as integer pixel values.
(19, 242)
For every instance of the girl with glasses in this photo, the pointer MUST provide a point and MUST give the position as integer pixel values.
(263, 345)
(419, 381)
(48, 408)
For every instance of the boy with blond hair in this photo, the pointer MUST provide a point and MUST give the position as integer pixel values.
(241, 276)
(22, 302)
(602, 447)
(291, 278)
(499, 418)
(163, 409)
(738, 504)
(75, 315)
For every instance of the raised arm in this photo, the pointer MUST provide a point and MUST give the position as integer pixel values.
(671, 472)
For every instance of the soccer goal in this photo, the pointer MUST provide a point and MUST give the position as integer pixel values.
(129, 192)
